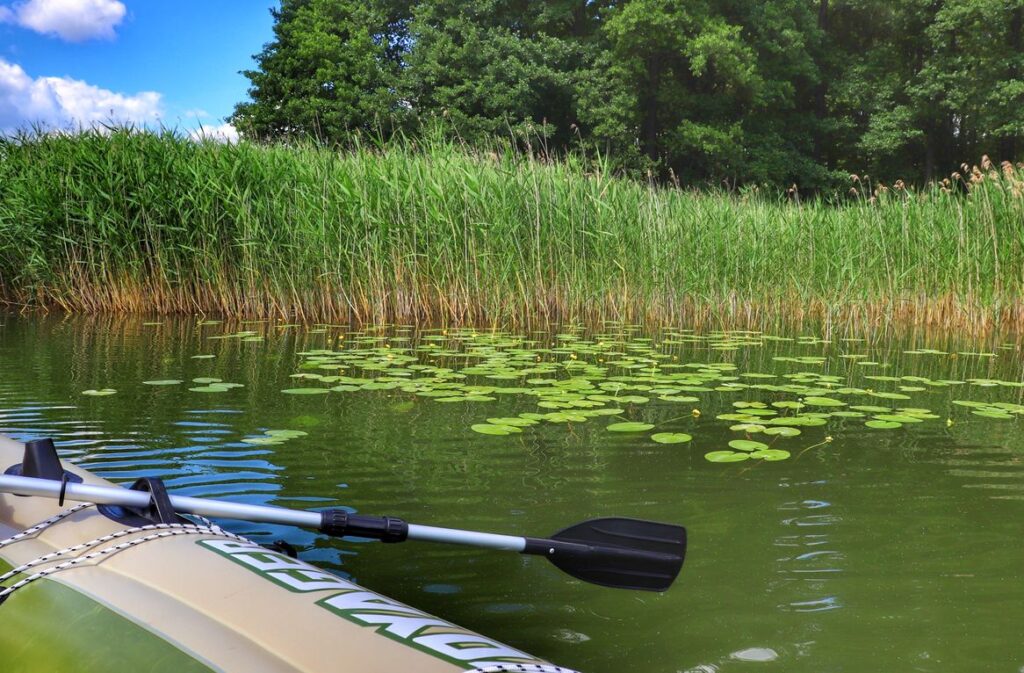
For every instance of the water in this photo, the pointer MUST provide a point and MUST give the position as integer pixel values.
(887, 550)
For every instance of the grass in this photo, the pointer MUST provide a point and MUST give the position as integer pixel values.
(141, 222)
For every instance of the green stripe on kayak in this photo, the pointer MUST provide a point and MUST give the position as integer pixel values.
(50, 627)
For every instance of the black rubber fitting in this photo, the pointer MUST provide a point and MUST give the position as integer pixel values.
(339, 523)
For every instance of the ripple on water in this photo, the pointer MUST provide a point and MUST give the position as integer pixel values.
(997, 470)
(755, 654)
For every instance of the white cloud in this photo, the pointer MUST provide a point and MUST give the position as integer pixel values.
(225, 133)
(72, 20)
(62, 101)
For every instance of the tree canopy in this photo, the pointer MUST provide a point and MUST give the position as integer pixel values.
(704, 91)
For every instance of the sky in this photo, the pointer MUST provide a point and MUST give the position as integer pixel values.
(172, 63)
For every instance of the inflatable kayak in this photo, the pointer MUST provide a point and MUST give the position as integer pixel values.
(88, 588)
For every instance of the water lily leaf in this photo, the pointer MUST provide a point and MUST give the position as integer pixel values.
(992, 413)
(206, 379)
(566, 417)
(883, 425)
(289, 434)
(629, 427)
(609, 411)
(305, 391)
(102, 392)
(871, 409)
(491, 429)
(212, 388)
(739, 418)
(802, 421)
(771, 455)
(782, 431)
(747, 445)
(726, 456)
(898, 418)
(671, 437)
(164, 382)
(889, 396)
(823, 402)
(513, 421)
(678, 398)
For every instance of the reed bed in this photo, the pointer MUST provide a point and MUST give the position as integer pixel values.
(129, 221)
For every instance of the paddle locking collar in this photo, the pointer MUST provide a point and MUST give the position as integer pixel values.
(339, 523)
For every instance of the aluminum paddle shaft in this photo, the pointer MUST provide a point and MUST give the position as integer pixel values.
(333, 522)
(614, 552)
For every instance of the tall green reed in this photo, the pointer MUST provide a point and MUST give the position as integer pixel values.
(138, 221)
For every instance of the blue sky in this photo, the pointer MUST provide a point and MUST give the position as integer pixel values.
(175, 62)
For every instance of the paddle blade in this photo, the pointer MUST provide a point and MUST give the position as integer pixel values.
(617, 552)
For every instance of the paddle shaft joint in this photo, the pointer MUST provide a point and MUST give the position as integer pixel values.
(339, 523)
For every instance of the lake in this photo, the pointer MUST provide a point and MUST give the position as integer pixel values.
(886, 535)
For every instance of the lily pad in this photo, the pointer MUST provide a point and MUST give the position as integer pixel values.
(287, 434)
(726, 456)
(512, 421)
(305, 391)
(629, 427)
(992, 413)
(163, 382)
(102, 392)
(771, 455)
(898, 418)
(747, 445)
(823, 402)
(782, 431)
(671, 437)
(491, 429)
(883, 425)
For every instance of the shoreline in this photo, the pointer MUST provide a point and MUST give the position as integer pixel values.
(872, 317)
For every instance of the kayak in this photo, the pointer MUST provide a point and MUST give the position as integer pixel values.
(90, 588)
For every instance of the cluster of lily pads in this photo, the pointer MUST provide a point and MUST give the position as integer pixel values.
(571, 378)
(574, 380)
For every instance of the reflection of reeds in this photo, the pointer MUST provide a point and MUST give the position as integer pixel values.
(135, 222)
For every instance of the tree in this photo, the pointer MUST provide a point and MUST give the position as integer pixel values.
(488, 67)
(330, 70)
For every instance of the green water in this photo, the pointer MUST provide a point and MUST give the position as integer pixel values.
(881, 550)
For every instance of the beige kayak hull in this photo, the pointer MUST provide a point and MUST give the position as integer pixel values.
(205, 602)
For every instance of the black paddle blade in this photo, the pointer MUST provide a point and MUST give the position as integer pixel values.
(616, 552)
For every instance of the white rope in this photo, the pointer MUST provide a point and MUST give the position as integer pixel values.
(522, 668)
(166, 530)
(43, 525)
(198, 530)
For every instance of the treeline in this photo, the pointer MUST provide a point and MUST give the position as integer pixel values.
(703, 91)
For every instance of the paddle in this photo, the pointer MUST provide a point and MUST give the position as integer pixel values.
(613, 552)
